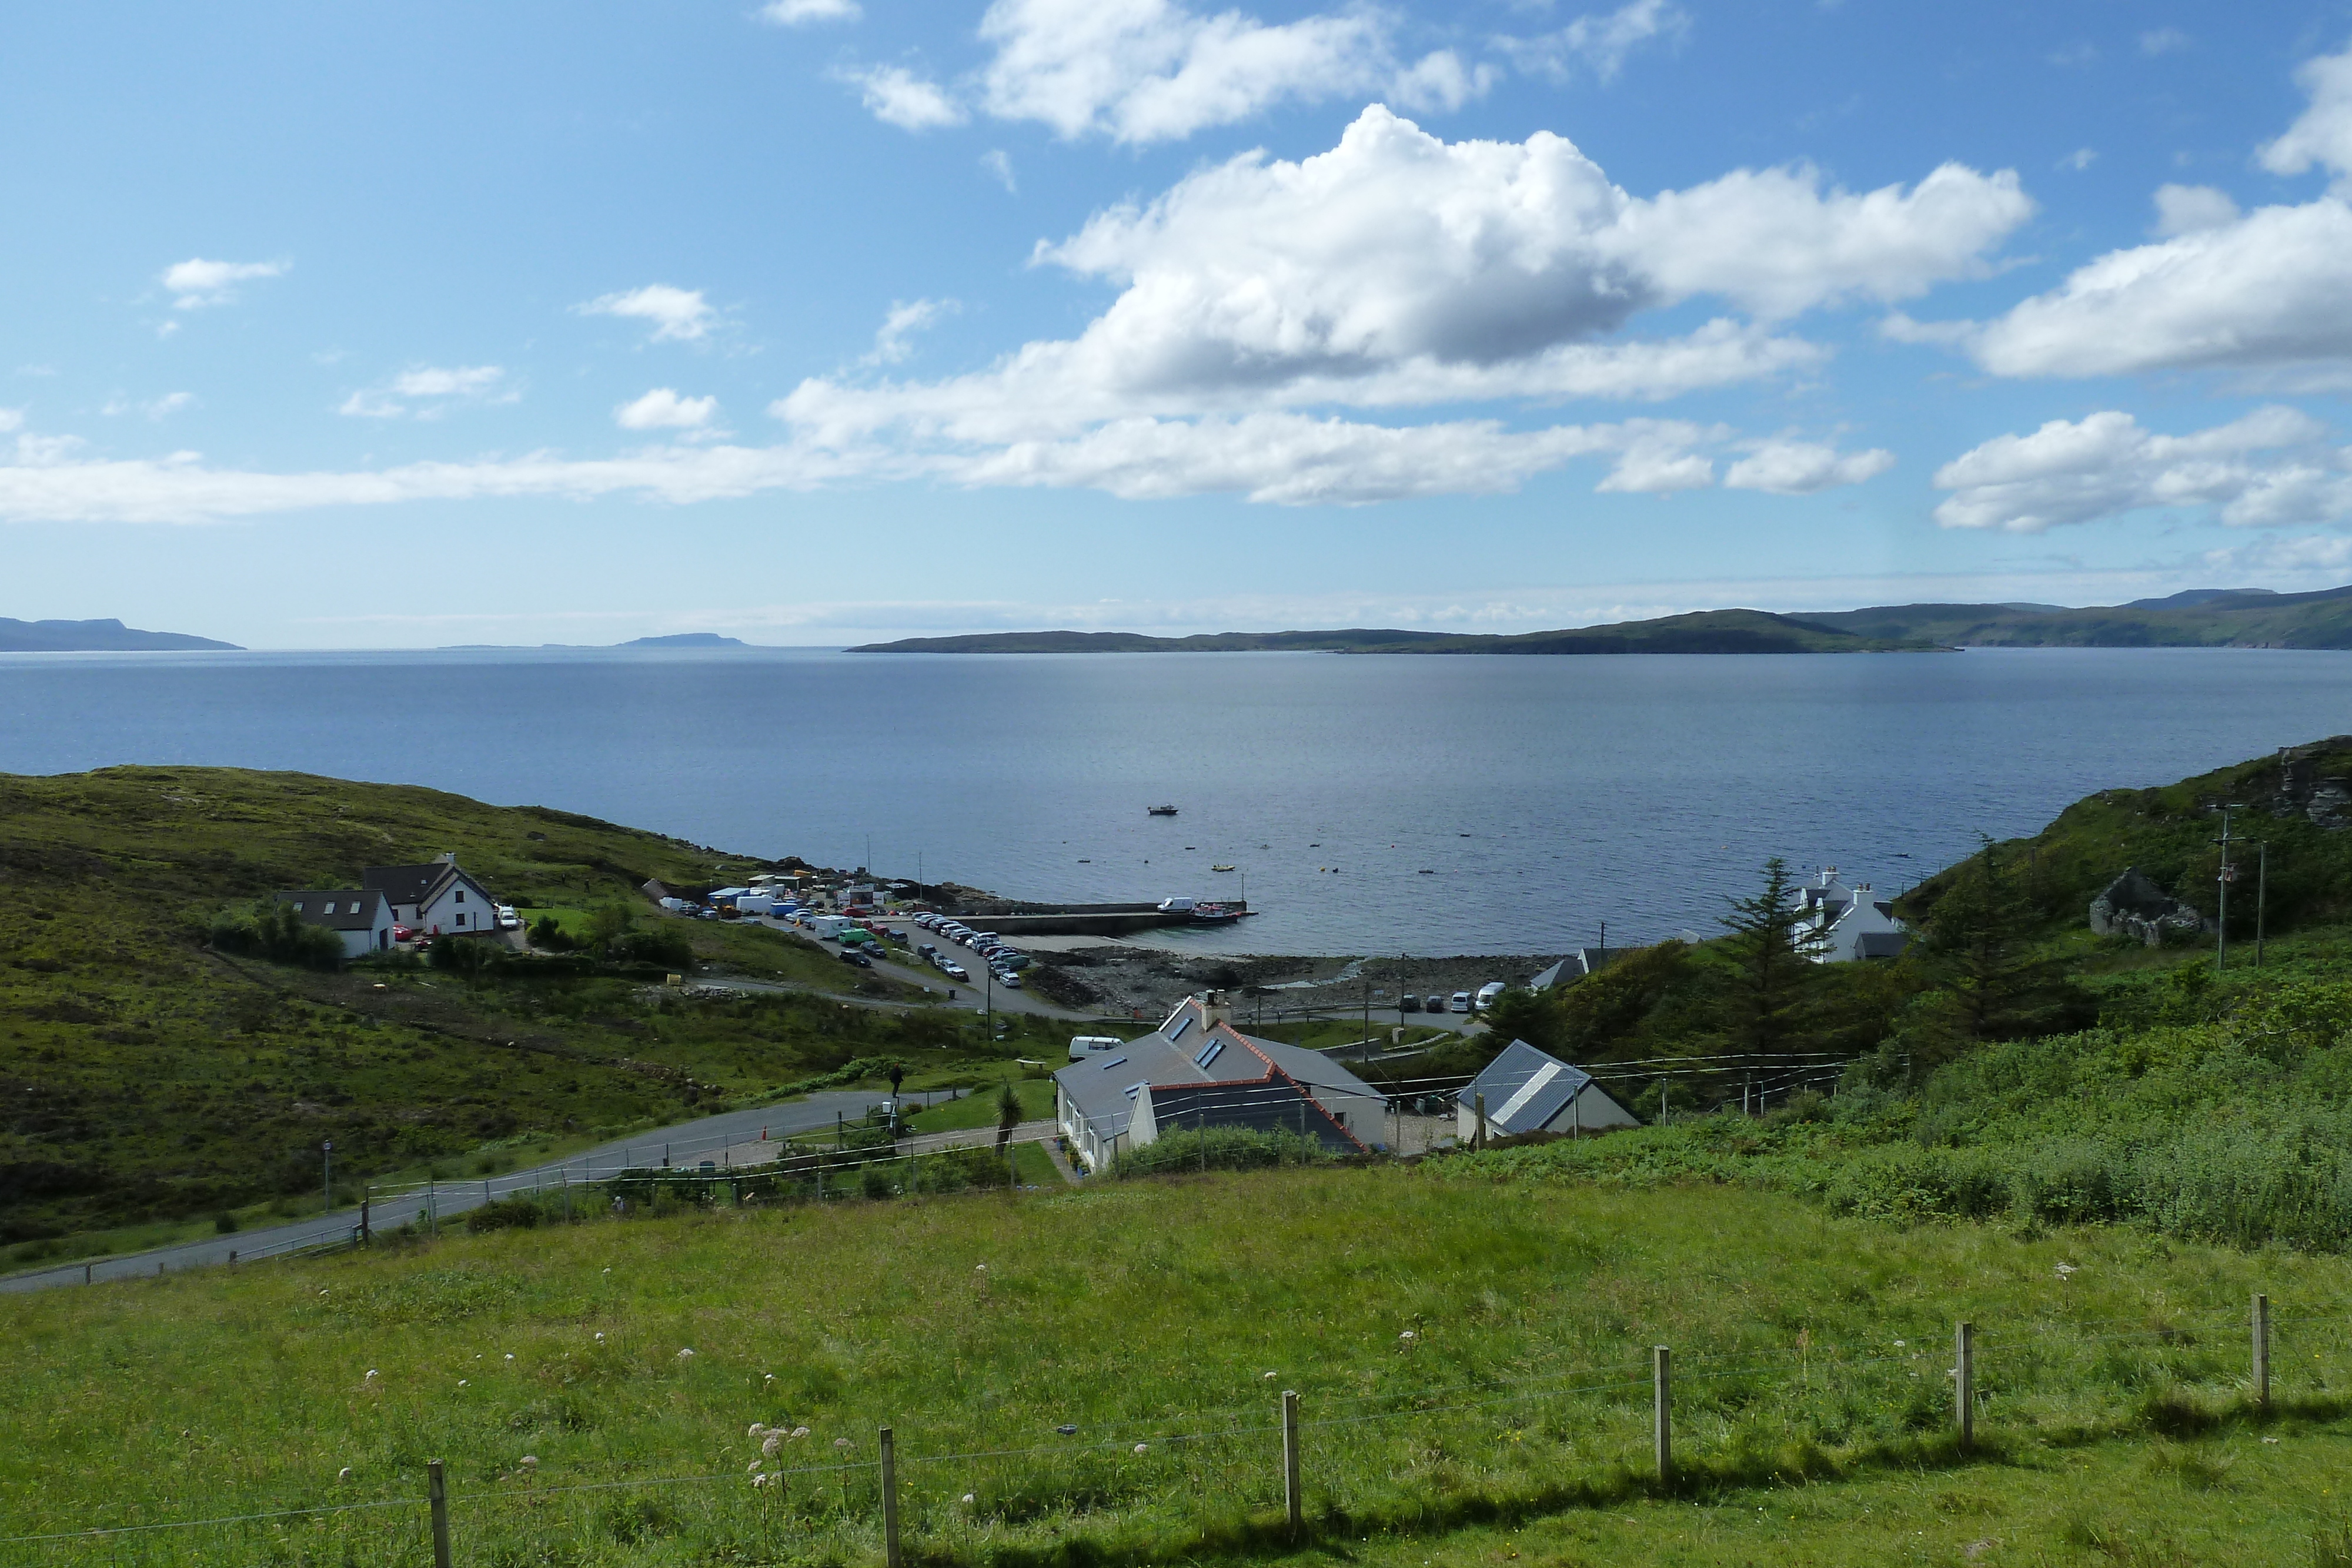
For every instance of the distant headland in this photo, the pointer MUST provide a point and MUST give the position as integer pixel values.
(95, 637)
(2198, 618)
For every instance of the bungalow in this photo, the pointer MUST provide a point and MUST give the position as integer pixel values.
(1197, 1070)
(1583, 961)
(1842, 924)
(362, 918)
(1527, 1091)
(435, 897)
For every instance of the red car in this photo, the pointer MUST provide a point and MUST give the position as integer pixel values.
(403, 933)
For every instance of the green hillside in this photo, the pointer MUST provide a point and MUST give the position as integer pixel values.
(2221, 619)
(149, 1078)
(1091, 1378)
(1703, 631)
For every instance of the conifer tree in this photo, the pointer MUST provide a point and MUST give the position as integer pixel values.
(1767, 962)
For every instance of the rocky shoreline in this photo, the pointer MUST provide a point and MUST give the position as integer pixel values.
(1130, 977)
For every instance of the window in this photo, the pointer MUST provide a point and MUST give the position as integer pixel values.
(297, 906)
(461, 895)
(1208, 1053)
(461, 920)
(1114, 1061)
(1340, 1117)
(1178, 1032)
(355, 906)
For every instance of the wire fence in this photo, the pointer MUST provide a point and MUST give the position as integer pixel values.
(1434, 1445)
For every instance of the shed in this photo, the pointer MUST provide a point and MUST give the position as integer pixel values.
(1530, 1090)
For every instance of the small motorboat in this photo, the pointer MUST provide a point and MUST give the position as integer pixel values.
(1221, 868)
(1159, 810)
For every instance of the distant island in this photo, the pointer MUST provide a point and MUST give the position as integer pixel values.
(95, 637)
(2198, 618)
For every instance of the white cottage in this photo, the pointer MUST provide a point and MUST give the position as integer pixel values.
(362, 918)
(436, 898)
(1849, 923)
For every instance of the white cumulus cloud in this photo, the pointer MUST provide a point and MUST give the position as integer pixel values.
(195, 282)
(905, 318)
(429, 391)
(2192, 209)
(800, 12)
(1399, 270)
(897, 96)
(2271, 468)
(679, 315)
(1140, 71)
(1804, 468)
(2322, 134)
(664, 409)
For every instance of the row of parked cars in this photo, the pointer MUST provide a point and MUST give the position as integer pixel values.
(1004, 963)
(1460, 1002)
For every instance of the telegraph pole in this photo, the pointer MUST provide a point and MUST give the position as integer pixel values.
(2262, 896)
(2221, 951)
(327, 1154)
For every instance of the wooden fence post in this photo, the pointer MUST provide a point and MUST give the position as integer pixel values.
(367, 1233)
(87, 1278)
(2261, 1350)
(1479, 1134)
(1964, 1379)
(1294, 1507)
(436, 1491)
(889, 1499)
(1662, 1423)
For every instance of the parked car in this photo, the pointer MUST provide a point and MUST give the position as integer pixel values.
(1013, 958)
(1434, 1003)
(1007, 979)
(404, 934)
(1461, 1001)
(508, 919)
(955, 971)
(1489, 995)
(1408, 1003)
(851, 955)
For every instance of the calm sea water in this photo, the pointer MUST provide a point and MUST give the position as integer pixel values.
(1540, 796)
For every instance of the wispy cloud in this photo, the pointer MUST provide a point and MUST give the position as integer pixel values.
(897, 96)
(428, 391)
(678, 315)
(197, 282)
(664, 409)
(802, 13)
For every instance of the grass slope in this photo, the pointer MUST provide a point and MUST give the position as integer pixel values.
(1160, 1313)
(146, 1079)
(2319, 619)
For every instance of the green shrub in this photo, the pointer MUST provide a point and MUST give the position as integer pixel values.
(1219, 1148)
(280, 935)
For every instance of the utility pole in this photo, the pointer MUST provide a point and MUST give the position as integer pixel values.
(2261, 895)
(1365, 1053)
(327, 1155)
(2229, 872)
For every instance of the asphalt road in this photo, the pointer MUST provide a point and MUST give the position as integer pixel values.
(976, 994)
(686, 1143)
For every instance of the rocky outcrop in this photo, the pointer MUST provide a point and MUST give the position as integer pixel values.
(2133, 905)
(2323, 799)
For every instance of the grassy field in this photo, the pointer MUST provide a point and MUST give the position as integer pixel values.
(1468, 1355)
(155, 1086)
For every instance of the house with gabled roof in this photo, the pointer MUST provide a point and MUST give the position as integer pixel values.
(362, 918)
(1844, 923)
(1528, 1090)
(1196, 1070)
(436, 898)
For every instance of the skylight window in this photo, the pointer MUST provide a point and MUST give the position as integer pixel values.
(1178, 1032)
(1208, 1053)
(1114, 1061)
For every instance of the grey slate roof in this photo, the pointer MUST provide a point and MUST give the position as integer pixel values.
(336, 908)
(1519, 1066)
(1247, 1071)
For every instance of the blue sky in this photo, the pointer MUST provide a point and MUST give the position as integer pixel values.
(828, 320)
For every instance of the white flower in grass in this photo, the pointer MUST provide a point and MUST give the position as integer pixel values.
(1143, 1448)
(841, 1443)
(754, 1467)
(461, 1383)
(600, 1339)
(372, 1376)
(970, 1501)
(1408, 1336)
(772, 1442)
(530, 1461)
(756, 1429)
(800, 1431)
(979, 1268)
(510, 1355)
(686, 1355)
(2064, 1270)
(344, 1474)
(1271, 1375)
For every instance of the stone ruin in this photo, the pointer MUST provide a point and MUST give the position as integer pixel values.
(2304, 791)
(2134, 906)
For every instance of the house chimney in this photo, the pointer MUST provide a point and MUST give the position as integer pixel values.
(1214, 1010)
(448, 857)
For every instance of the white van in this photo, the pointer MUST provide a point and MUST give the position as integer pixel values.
(1081, 1045)
(1461, 1001)
(1489, 995)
